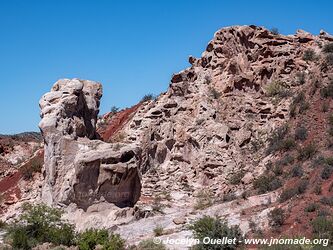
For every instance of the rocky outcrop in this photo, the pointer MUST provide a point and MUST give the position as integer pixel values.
(78, 167)
(209, 131)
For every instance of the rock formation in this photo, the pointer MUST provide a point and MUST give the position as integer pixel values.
(79, 168)
(208, 132)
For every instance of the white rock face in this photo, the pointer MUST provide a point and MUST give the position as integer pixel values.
(79, 168)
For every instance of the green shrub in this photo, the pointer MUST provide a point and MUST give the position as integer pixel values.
(307, 152)
(277, 89)
(204, 199)
(276, 217)
(236, 178)
(147, 97)
(274, 31)
(286, 160)
(326, 172)
(114, 109)
(229, 197)
(293, 110)
(301, 133)
(302, 186)
(322, 228)
(329, 161)
(3, 224)
(299, 98)
(291, 192)
(149, 244)
(304, 106)
(300, 77)
(30, 168)
(309, 55)
(277, 140)
(266, 183)
(327, 91)
(327, 201)
(287, 194)
(323, 212)
(214, 93)
(324, 107)
(158, 231)
(328, 48)
(277, 170)
(90, 238)
(38, 224)
(318, 161)
(329, 59)
(297, 171)
(215, 229)
(317, 189)
(287, 144)
(311, 208)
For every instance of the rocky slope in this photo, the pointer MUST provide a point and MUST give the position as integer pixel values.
(204, 146)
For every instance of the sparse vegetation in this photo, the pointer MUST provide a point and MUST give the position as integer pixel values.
(327, 91)
(297, 171)
(278, 142)
(322, 228)
(147, 97)
(312, 207)
(330, 123)
(157, 205)
(291, 192)
(327, 201)
(317, 189)
(324, 107)
(274, 31)
(285, 160)
(300, 103)
(266, 183)
(38, 224)
(114, 109)
(276, 217)
(304, 106)
(307, 152)
(204, 199)
(329, 59)
(2, 224)
(236, 178)
(215, 229)
(328, 48)
(92, 237)
(300, 77)
(229, 197)
(277, 89)
(150, 244)
(326, 173)
(301, 133)
(309, 55)
(158, 231)
(214, 93)
(28, 170)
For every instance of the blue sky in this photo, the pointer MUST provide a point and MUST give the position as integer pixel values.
(131, 47)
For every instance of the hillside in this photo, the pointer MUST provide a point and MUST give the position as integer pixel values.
(244, 131)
